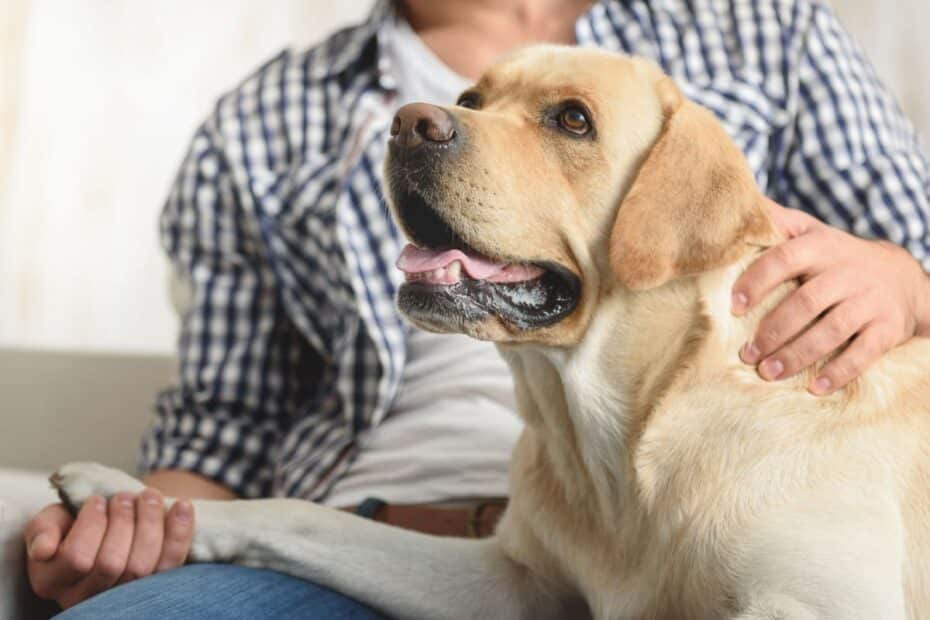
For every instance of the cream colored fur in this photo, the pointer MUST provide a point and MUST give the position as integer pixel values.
(734, 498)
(658, 476)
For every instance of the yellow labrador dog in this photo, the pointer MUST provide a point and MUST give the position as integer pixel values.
(575, 209)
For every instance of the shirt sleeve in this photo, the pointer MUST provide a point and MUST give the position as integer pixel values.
(244, 368)
(855, 160)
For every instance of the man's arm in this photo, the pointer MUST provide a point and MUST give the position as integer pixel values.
(185, 484)
(856, 163)
(246, 372)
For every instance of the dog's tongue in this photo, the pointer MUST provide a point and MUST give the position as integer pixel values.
(445, 267)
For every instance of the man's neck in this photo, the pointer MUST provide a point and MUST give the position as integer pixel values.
(469, 35)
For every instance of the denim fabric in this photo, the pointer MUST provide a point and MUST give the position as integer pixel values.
(219, 592)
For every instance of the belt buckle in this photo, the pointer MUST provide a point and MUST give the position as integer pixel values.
(473, 525)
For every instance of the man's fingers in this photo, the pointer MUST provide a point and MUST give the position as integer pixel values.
(76, 554)
(821, 339)
(794, 314)
(43, 535)
(104, 546)
(78, 551)
(44, 532)
(791, 222)
(869, 345)
(148, 537)
(179, 530)
(784, 262)
(114, 550)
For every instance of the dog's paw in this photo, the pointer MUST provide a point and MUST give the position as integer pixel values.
(76, 482)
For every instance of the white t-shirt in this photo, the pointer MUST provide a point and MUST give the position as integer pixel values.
(453, 424)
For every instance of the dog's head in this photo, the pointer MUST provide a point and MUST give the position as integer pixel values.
(561, 174)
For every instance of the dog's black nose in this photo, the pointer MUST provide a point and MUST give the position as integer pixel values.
(422, 123)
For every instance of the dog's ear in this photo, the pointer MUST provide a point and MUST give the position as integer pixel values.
(694, 204)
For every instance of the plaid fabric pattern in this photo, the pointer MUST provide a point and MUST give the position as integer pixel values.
(292, 349)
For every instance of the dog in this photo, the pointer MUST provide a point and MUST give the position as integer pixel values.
(577, 210)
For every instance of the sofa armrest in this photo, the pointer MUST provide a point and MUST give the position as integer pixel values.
(22, 494)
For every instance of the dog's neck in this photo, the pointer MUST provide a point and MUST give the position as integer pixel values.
(586, 422)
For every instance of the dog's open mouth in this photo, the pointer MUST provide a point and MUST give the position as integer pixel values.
(449, 283)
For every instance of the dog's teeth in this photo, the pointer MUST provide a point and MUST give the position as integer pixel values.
(454, 270)
(437, 273)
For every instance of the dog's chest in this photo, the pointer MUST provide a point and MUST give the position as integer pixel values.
(628, 566)
(662, 580)
(623, 576)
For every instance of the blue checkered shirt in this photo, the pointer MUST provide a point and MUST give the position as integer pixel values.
(292, 350)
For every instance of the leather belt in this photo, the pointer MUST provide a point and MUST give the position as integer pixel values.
(477, 521)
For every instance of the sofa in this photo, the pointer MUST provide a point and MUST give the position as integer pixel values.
(58, 407)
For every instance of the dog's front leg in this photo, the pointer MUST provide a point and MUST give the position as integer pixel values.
(401, 573)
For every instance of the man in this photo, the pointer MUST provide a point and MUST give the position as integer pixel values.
(297, 376)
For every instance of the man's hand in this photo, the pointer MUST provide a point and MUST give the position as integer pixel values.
(871, 294)
(71, 559)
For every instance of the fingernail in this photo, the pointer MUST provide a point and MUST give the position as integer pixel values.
(151, 498)
(36, 542)
(740, 301)
(751, 353)
(822, 385)
(124, 500)
(184, 511)
(98, 503)
(771, 369)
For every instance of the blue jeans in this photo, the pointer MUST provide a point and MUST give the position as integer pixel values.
(221, 592)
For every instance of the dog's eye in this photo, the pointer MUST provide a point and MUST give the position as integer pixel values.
(469, 100)
(575, 120)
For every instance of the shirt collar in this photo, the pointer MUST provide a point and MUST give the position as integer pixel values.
(370, 32)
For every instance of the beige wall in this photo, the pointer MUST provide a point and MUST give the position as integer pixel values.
(98, 99)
